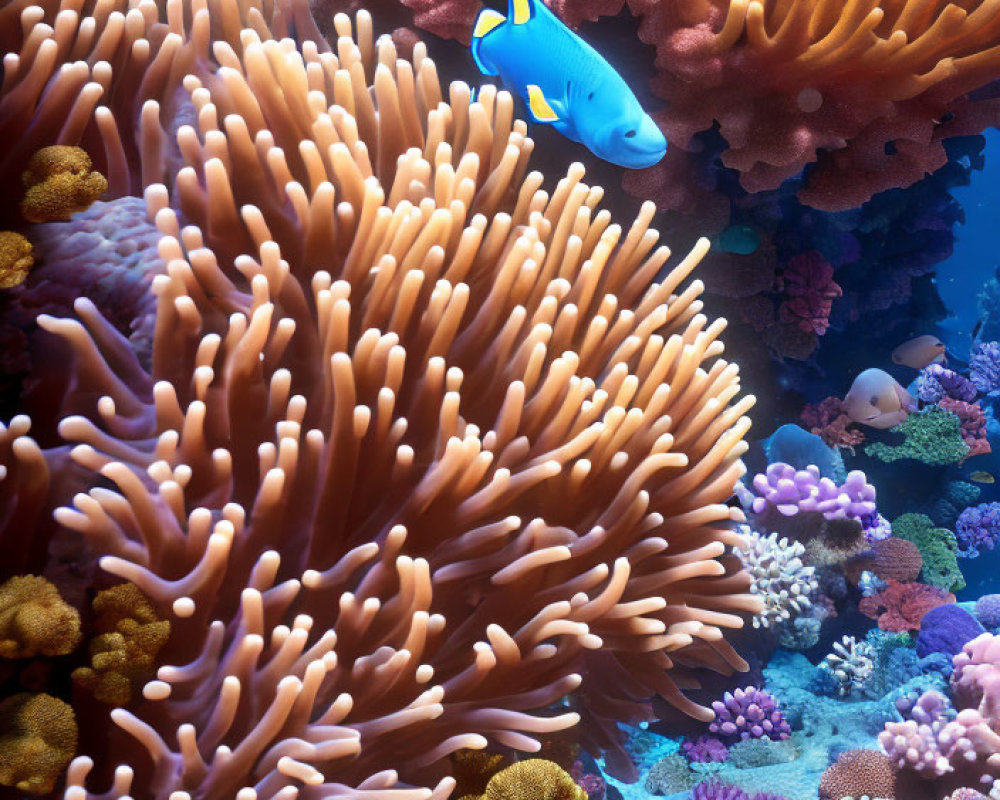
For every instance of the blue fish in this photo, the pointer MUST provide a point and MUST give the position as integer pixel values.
(566, 83)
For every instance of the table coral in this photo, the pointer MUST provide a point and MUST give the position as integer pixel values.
(932, 435)
(16, 259)
(422, 448)
(35, 620)
(874, 87)
(123, 654)
(38, 737)
(60, 181)
(939, 550)
(901, 606)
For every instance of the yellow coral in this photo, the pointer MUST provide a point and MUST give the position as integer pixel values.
(15, 259)
(534, 779)
(123, 656)
(38, 737)
(35, 620)
(60, 182)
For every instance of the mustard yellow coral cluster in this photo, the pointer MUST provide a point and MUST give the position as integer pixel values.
(16, 259)
(123, 655)
(534, 779)
(35, 620)
(60, 181)
(38, 737)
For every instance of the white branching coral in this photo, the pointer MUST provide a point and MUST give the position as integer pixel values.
(851, 664)
(780, 578)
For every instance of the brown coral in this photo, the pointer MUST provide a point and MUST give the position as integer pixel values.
(60, 181)
(37, 740)
(858, 773)
(890, 559)
(16, 259)
(123, 656)
(35, 620)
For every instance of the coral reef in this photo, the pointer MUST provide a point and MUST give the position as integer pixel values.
(984, 367)
(850, 664)
(829, 420)
(901, 606)
(936, 382)
(978, 529)
(859, 773)
(939, 550)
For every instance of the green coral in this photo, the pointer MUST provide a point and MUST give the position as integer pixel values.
(938, 548)
(933, 436)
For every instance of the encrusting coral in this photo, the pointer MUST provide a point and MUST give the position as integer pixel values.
(423, 449)
(60, 181)
(38, 737)
(35, 620)
(533, 779)
(123, 654)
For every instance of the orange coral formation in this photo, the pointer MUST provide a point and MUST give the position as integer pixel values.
(875, 85)
(35, 620)
(16, 259)
(38, 737)
(123, 656)
(60, 181)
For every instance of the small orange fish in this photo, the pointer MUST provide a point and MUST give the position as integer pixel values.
(877, 400)
(979, 476)
(920, 352)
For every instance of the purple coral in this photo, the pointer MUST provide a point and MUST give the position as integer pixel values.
(791, 491)
(984, 367)
(704, 750)
(923, 742)
(937, 382)
(978, 529)
(717, 790)
(749, 713)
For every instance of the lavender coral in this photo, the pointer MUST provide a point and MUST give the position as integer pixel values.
(936, 382)
(984, 367)
(422, 448)
(749, 713)
(791, 491)
(978, 529)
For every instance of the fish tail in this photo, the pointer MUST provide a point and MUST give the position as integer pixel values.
(487, 22)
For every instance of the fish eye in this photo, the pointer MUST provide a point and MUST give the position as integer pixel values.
(630, 134)
(874, 400)
(590, 96)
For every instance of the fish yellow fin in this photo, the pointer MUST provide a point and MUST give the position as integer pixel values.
(539, 106)
(487, 21)
(522, 11)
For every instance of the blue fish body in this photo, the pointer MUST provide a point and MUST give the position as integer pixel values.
(566, 83)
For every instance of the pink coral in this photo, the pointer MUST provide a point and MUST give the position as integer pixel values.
(808, 284)
(973, 424)
(901, 606)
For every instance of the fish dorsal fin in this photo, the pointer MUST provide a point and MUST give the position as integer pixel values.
(520, 11)
(539, 107)
(487, 22)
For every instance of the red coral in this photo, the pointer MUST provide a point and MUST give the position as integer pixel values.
(973, 424)
(829, 420)
(900, 606)
(808, 284)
